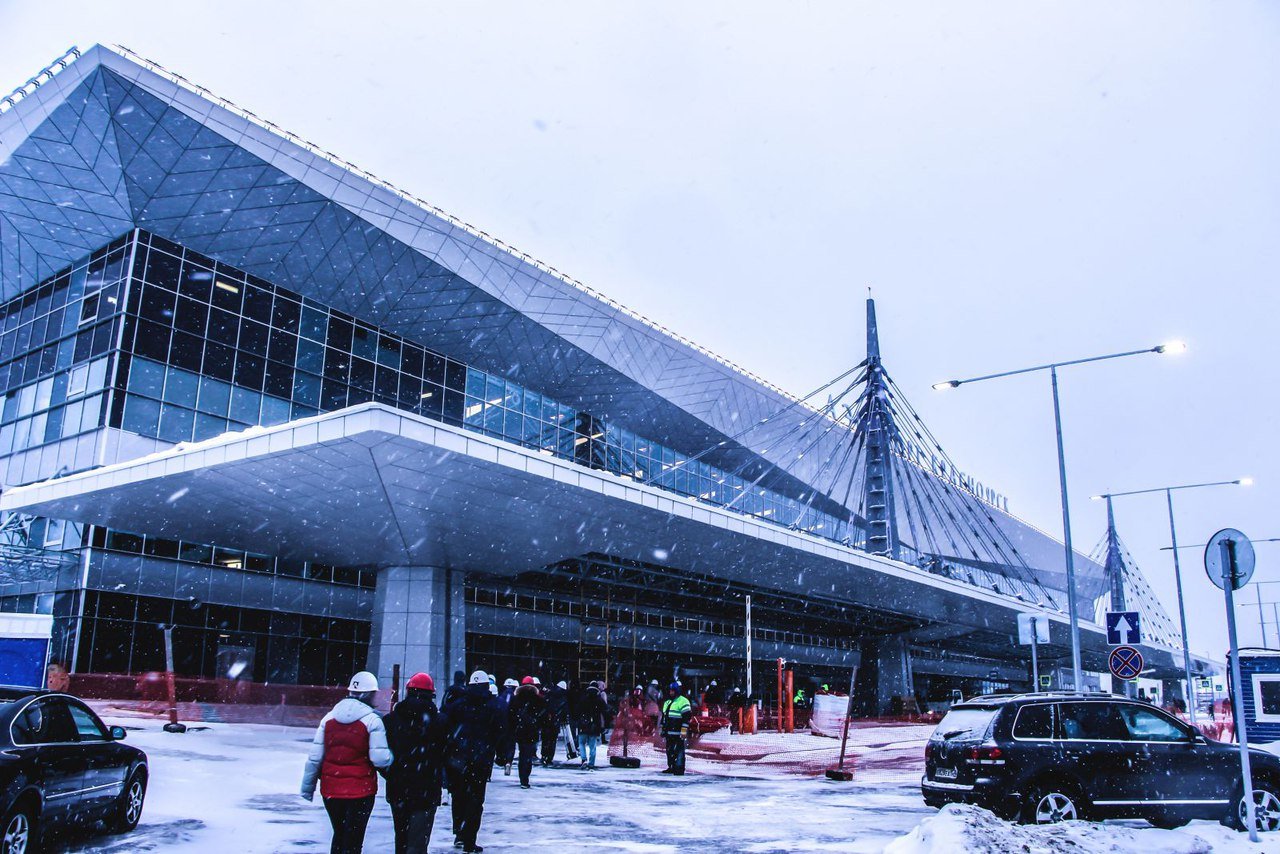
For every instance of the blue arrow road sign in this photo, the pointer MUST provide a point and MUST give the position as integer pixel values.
(1125, 662)
(1123, 627)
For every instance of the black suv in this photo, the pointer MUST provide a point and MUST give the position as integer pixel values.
(1058, 756)
(59, 766)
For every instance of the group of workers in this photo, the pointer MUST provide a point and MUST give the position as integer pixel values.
(422, 750)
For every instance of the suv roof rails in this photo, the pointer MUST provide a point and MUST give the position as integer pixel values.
(1027, 694)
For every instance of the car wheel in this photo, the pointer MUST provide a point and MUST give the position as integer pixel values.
(1052, 802)
(129, 810)
(19, 833)
(1266, 807)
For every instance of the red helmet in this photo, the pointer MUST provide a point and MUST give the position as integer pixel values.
(528, 680)
(421, 681)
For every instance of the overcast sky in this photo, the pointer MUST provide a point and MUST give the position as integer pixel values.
(1018, 183)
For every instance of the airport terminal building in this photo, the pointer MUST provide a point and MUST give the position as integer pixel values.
(315, 423)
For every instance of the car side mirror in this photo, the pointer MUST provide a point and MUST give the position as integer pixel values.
(118, 733)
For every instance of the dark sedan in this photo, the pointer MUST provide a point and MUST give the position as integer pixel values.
(61, 766)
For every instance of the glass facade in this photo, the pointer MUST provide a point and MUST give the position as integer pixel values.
(56, 350)
(208, 348)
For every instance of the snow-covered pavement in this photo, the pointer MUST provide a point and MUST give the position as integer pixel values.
(232, 788)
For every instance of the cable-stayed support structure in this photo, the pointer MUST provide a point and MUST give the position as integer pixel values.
(879, 480)
(1129, 590)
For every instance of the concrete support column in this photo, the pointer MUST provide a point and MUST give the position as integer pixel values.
(419, 622)
(893, 669)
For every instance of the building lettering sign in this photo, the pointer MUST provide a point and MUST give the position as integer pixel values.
(943, 469)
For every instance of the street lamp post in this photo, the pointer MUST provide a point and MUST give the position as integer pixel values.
(1177, 566)
(1052, 368)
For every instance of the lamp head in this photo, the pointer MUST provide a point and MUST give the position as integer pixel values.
(943, 386)
(1172, 347)
(1245, 481)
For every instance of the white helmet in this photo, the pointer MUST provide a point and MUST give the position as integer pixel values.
(562, 685)
(362, 682)
(510, 683)
(537, 681)
(479, 677)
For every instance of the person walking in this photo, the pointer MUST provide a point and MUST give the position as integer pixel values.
(555, 721)
(474, 723)
(349, 745)
(592, 714)
(415, 736)
(674, 721)
(455, 690)
(526, 716)
(737, 702)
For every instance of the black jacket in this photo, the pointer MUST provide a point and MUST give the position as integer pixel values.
(416, 737)
(456, 689)
(474, 723)
(592, 712)
(527, 714)
(557, 707)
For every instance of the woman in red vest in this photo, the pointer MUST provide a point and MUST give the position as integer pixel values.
(350, 744)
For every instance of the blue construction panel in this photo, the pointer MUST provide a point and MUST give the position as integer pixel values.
(1260, 675)
(22, 661)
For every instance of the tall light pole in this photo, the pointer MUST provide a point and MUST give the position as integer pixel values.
(1052, 368)
(1177, 566)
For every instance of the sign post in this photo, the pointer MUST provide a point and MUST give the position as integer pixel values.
(1033, 629)
(1229, 562)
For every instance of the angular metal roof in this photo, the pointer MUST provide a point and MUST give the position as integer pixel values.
(109, 143)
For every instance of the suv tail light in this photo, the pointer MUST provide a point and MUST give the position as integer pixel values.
(985, 754)
(928, 750)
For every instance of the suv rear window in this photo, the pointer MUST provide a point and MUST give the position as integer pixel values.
(1034, 722)
(966, 724)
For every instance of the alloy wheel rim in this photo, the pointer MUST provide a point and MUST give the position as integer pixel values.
(16, 835)
(135, 802)
(1266, 811)
(1055, 807)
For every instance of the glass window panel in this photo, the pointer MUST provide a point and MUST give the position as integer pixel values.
(362, 374)
(306, 389)
(253, 337)
(356, 395)
(250, 370)
(279, 380)
(191, 316)
(455, 375)
(389, 351)
(432, 401)
(364, 342)
(162, 269)
(44, 393)
(71, 419)
(208, 426)
(274, 410)
(195, 553)
(196, 282)
(180, 388)
(141, 416)
(219, 361)
(285, 314)
(333, 395)
(385, 385)
(223, 327)
(411, 357)
(310, 356)
(176, 423)
(228, 291)
(314, 323)
(257, 304)
(245, 405)
(475, 383)
(215, 396)
(284, 346)
(340, 331)
(186, 352)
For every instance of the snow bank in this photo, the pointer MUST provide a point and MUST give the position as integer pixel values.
(959, 828)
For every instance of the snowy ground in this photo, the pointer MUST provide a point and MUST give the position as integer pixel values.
(232, 787)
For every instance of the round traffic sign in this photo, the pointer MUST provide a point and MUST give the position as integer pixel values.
(1214, 561)
(1125, 662)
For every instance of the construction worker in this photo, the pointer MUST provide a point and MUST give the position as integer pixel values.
(677, 711)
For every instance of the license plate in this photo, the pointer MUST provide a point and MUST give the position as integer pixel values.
(944, 773)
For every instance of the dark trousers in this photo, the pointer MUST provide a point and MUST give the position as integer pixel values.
(349, 817)
(467, 797)
(675, 754)
(527, 755)
(413, 827)
(550, 735)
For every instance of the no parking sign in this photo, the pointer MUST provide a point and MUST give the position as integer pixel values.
(1125, 663)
